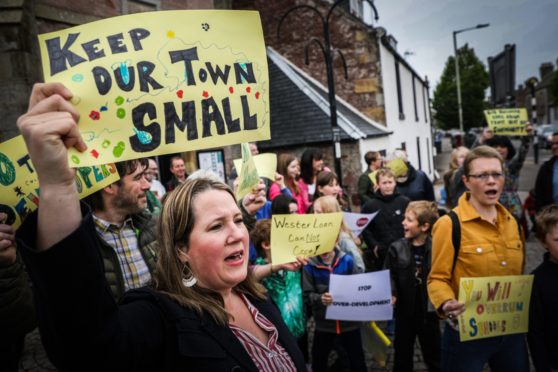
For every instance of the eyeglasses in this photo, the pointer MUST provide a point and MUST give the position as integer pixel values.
(485, 176)
(553, 143)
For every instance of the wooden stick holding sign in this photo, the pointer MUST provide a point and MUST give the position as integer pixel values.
(303, 235)
(162, 82)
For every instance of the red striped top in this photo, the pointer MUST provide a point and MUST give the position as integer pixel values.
(271, 357)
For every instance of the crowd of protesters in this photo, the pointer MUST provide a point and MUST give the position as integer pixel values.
(143, 277)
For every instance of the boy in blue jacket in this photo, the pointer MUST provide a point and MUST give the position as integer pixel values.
(315, 289)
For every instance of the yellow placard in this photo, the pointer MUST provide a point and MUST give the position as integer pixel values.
(398, 167)
(305, 235)
(507, 122)
(19, 186)
(249, 177)
(266, 164)
(494, 306)
(162, 82)
(372, 176)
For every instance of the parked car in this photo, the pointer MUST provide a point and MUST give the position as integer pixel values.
(545, 135)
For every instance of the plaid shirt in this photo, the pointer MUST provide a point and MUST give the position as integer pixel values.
(125, 243)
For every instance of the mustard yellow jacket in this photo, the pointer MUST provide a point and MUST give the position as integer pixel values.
(486, 250)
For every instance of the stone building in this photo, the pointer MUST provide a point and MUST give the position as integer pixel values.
(547, 107)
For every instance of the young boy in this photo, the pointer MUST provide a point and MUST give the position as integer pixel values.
(543, 311)
(408, 261)
(385, 228)
(315, 289)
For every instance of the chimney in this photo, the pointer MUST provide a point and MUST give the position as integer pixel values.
(392, 41)
(545, 69)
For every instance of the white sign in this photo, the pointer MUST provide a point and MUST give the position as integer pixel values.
(360, 297)
(358, 221)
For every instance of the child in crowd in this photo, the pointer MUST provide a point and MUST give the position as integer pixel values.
(409, 261)
(386, 227)
(283, 286)
(543, 311)
(346, 241)
(315, 286)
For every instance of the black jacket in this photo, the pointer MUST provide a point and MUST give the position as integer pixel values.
(386, 227)
(400, 262)
(543, 185)
(417, 186)
(83, 328)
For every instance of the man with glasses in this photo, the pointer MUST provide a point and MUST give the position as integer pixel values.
(491, 245)
(546, 187)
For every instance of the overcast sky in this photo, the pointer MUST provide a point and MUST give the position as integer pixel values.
(424, 27)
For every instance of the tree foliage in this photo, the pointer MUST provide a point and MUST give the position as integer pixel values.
(474, 82)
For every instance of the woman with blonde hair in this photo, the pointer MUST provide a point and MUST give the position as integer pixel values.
(346, 240)
(451, 182)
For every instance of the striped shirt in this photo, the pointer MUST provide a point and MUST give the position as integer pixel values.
(124, 241)
(271, 357)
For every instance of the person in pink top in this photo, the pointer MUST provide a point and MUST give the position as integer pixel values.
(289, 167)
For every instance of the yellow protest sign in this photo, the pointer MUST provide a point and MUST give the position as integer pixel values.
(398, 167)
(304, 235)
(372, 176)
(162, 82)
(494, 306)
(507, 122)
(249, 177)
(19, 186)
(266, 164)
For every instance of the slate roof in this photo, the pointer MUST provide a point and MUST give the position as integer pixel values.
(300, 110)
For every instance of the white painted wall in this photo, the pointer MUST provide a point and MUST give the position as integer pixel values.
(406, 129)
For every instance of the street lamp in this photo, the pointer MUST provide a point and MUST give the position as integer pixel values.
(328, 52)
(458, 81)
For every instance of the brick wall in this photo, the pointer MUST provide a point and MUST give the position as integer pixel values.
(363, 88)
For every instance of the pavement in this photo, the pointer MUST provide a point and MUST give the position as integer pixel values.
(34, 358)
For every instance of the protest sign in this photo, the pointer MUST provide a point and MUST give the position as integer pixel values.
(19, 186)
(305, 235)
(249, 177)
(507, 122)
(372, 176)
(358, 221)
(163, 82)
(266, 164)
(360, 297)
(398, 167)
(494, 306)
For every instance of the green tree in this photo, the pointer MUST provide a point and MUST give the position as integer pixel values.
(474, 82)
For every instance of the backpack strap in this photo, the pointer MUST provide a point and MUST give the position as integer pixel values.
(455, 236)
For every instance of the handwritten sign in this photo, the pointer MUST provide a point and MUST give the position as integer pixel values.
(266, 164)
(249, 177)
(162, 82)
(507, 122)
(360, 297)
(357, 222)
(398, 167)
(304, 235)
(19, 186)
(494, 306)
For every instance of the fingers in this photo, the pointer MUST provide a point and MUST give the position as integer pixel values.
(41, 91)
(62, 124)
(53, 103)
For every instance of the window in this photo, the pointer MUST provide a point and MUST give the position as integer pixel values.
(418, 153)
(415, 98)
(399, 93)
(428, 154)
(424, 100)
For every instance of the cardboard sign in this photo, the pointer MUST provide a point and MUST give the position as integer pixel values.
(19, 186)
(305, 235)
(249, 177)
(494, 306)
(507, 122)
(360, 297)
(163, 82)
(266, 164)
(398, 167)
(357, 222)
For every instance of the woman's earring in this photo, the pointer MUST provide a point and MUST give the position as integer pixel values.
(189, 280)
